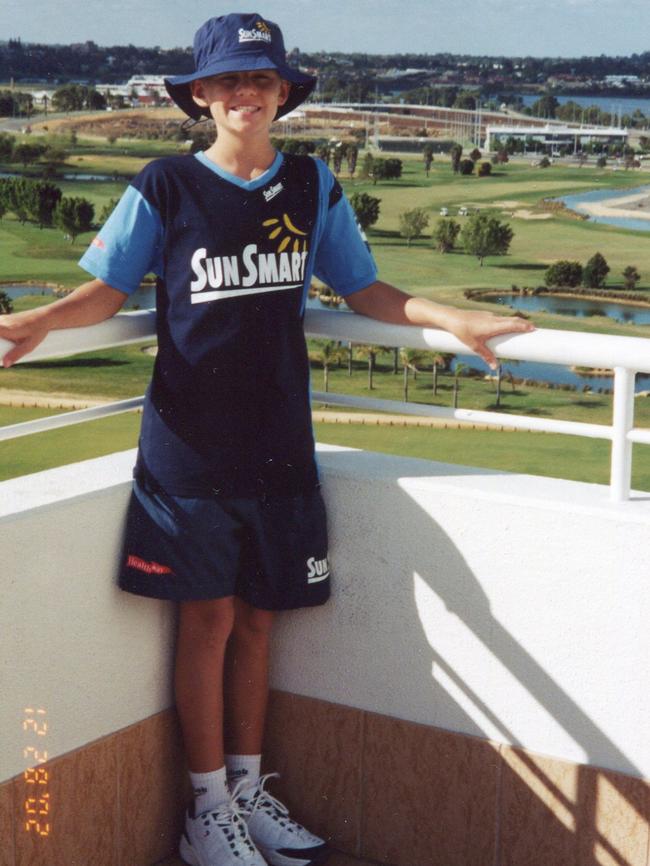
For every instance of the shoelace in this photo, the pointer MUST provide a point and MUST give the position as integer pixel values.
(229, 818)
(262, 800)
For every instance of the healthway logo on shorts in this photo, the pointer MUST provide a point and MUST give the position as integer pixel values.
(148, 567)
(252, 272)
(317, 569)
(260, 33)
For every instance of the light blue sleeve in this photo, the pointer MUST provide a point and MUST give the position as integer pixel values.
(343, 259)
(129, 244)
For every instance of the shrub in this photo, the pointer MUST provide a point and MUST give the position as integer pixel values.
(564, 274)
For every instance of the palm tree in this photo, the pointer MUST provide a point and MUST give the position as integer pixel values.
(439, 359)
(499, 375)
(410, 359)
(458, 369)
(369, 352)
(328, 352)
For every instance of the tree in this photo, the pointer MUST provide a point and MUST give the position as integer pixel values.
(546, 106)
(631, 277)
(74, 216)
(338, 152)
(484, 235)
(41, 202)
(455, 153)
(438, 359)
(410, 358)
(445, 235)
(328, 353)
(466, 166)
(427, 153)
(595, 271)
(351, 155)
(544, 162)
(107, 210)
(323, 152)
(601, 162)
(484, 169)
(475, 155)
(6, 304)
(459, 367)
(563, 274)
(412, 223)
(386, 169)
(370, 353)
(367, 168)
(6, 147)
(501, 156)
(366, 208)
(27, 153)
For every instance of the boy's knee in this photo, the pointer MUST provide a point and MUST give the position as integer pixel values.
(210, 620)
(251, 623)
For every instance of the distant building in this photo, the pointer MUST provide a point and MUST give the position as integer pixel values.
(556, 136)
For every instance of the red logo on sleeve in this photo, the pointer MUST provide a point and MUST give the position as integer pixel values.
(98, 242)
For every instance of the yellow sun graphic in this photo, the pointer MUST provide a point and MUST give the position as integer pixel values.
(293, 234)
(263, 26)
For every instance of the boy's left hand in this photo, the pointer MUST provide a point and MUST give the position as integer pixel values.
(475, 327)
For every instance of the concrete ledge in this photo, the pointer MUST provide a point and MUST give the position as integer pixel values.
(505, 607)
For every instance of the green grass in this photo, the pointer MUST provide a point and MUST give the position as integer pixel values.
(41, 451)
(532, 453)
(29, 253)
(111, 373)
(545, 454)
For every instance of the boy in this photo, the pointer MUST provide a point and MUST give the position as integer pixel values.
(226, 510)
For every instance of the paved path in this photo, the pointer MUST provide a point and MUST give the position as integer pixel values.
(382, 420)
(36, 399)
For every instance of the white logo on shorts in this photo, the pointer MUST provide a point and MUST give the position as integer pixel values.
(317, 569)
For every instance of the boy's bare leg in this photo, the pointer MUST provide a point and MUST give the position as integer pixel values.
(203, 632)
(246, 679)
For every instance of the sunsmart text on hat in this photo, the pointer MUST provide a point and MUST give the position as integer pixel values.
(238, 42)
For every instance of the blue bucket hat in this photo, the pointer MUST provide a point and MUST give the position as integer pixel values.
(238, 42)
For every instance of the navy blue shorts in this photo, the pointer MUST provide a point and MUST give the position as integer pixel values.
(271, 551)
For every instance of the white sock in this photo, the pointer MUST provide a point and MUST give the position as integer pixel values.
(210, 790)
(240, 767)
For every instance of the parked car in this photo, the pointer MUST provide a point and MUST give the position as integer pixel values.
(463, 211)
(444, 211)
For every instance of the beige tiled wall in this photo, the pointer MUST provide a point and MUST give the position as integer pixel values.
(116, 802)
(386, 790)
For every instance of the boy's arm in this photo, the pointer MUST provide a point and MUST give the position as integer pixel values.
(91, 303)
(472, 327)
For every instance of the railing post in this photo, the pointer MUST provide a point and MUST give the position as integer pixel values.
(622, 422)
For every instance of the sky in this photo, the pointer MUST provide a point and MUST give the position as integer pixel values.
(552, 28)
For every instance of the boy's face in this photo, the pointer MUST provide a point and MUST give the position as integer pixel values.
(243, 102)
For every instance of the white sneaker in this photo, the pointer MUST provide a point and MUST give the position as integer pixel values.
(219, 837)
(281, 840)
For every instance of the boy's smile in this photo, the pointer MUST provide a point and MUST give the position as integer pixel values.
(236, 98)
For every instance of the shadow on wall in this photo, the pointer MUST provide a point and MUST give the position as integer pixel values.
(377, 637)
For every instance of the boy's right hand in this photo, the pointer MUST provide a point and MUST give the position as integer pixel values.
(24, 329)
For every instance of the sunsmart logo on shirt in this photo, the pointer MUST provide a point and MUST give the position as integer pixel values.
(252, 272)
(260, 33)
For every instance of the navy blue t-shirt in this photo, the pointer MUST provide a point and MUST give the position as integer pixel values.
(227, 411)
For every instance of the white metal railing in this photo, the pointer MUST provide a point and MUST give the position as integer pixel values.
(625, 355)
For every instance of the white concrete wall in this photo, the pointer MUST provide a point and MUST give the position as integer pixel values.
(498, 605)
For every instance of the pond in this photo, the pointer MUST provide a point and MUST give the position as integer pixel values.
(628, 314)
(142, 299)
(73, 176)
(580, 203)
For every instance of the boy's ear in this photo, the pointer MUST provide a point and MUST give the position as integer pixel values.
(285, 88)
(198, 93)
